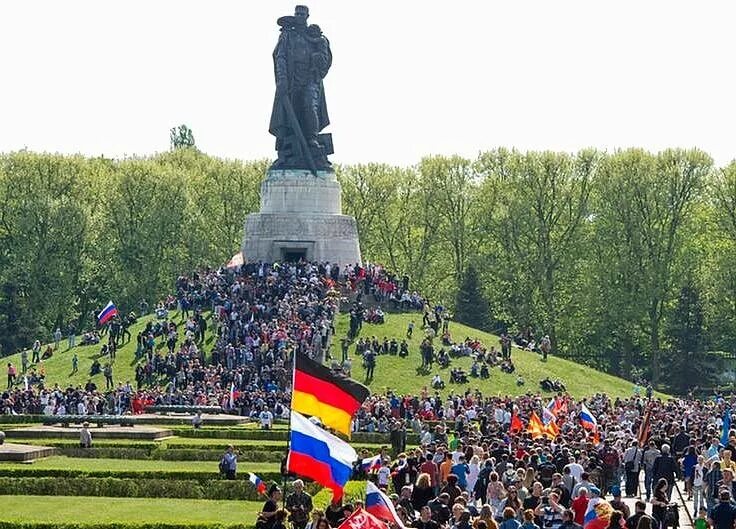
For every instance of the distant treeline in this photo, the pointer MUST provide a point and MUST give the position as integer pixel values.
(624, 259)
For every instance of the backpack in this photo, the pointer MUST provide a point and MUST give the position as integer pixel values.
(223, 466)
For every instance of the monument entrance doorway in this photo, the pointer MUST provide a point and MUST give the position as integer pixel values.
(293, 255)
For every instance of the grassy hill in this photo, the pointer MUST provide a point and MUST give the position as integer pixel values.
(59, 366)
(398, 374)
(402, 375)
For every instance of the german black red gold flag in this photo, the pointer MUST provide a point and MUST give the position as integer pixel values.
(320, 393)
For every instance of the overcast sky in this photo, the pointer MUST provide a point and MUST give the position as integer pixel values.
(409, 78)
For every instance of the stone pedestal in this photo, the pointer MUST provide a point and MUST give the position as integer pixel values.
(301, 216)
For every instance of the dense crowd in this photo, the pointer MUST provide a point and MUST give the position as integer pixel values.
(259, 314)
(472, 466)
(476, 469)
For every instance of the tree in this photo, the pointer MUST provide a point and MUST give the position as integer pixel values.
(686, 334)
(471, 306)
(181, 137)
(541, 201)
(646, 203)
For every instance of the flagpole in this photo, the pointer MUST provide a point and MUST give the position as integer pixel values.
(288, 431)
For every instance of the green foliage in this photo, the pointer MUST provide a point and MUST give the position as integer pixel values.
(132, 488)
(589, 248)
(471, 307)
(354, 490)
(686, 334)
(76, 232)
(24, 471)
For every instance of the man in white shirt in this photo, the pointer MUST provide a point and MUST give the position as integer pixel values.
(266, 419)
(576, 469)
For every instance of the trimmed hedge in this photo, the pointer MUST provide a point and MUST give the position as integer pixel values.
(132, 488)
(129, 474)
(168, 454)
(21, 419)
(280, 435)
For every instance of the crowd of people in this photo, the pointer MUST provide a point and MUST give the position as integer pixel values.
(471, 465)
(473, 468)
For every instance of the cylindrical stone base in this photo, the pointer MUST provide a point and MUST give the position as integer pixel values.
(301, 217)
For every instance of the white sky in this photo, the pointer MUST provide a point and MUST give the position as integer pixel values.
(409, 78)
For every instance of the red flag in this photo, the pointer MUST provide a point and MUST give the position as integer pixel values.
(516, 424)
(644, 427)
(361, 519)
(535, 426)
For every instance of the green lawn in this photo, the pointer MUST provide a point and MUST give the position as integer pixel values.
(391, 372)
(59, 366)
(400, 374)
(135, 465)
(89, 511)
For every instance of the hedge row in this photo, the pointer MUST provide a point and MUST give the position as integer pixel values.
(168, 454)
(21, 419)
(280, 435)
(142, 475)
(131, 488)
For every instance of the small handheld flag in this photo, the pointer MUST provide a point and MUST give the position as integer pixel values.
(369, 464)
(535, 426)
(258, 483)
(516, 424)
(108, 313)
(380, 505)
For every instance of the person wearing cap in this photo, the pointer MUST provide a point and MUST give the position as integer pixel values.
(568, 520)
(229, 463)
(440, 508)
(550, 511)
(617, 503)
(723, 515)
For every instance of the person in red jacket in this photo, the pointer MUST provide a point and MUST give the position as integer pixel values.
(579, 505)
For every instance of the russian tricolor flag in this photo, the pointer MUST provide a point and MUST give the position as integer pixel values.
(108, 313)
(369, 464)
(258, 483)
(587, 420)
(590, 512)
(380, 505)
(317, 454)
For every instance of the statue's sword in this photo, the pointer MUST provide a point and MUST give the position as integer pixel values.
(298, 131)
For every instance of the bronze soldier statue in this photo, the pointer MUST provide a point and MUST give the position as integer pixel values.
(301, 60)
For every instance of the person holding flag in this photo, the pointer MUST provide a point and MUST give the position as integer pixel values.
(381, 506)
(107, 314)
(588, 422)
